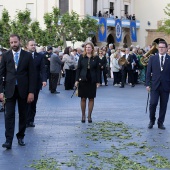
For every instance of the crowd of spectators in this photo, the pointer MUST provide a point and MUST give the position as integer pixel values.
(111, 15)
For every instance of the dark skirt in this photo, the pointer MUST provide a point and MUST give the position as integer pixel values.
(87, 89)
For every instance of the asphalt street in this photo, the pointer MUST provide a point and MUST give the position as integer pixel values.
(119, 131)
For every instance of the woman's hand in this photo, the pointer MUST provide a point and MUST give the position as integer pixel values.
(76, 84)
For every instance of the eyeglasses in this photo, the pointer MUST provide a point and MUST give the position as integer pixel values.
(161, 47)
(100, 53)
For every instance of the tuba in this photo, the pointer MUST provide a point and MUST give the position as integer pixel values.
(122, 61)
(145, 59)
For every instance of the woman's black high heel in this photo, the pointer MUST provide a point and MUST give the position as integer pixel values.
(83, 121)
(89, 120)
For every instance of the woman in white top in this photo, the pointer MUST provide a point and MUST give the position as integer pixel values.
(69, 67)
(116, 69)
(111, 59)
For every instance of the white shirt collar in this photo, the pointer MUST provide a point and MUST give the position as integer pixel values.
(19, 51)
(162, 55)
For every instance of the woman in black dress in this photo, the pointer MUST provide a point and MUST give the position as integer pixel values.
(87, 79)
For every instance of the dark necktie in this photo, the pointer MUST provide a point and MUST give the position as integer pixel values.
(162, 64)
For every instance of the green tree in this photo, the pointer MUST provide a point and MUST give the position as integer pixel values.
(89, 28)
(165, 27)
(37, 33)
(21, 26)
(5, 29)
(70, 27)
(51, 35)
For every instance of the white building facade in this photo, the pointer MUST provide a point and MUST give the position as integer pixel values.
(149, 14)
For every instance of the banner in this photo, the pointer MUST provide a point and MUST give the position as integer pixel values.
(118, 27)
(102, 29)
(133, 31)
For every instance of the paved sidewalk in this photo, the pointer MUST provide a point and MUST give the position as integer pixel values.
(118, 134)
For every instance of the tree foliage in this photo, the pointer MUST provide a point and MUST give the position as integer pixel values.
(5, 29)
(165, 27)
(89, 28)
(58, 28)
(21, 26)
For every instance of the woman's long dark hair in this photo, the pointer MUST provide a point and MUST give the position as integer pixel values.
(67, 50)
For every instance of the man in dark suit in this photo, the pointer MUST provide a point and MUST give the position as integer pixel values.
(127, 68)
(47, 56)
(136, 64)
(41, 80)
(18, 69)
(158, 83)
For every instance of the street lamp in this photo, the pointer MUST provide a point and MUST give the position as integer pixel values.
(73, 41)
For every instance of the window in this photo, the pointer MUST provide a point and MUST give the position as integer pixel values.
(64, 6)
(30, 8)
(94, 7)
(111, 10)
(1, 9)
(126, 9)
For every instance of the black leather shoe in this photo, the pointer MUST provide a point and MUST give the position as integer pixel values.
(31, 124)
(121, 87)
(150, 126)
(7, 145)
(83, 121)
(161, 126)
(133, 85)
(56, 92)
(21, 142)
(2, 110)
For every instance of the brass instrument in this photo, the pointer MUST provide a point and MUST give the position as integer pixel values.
(122, 61)
(145, 59)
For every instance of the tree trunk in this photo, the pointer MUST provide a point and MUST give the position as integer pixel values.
(64, 41)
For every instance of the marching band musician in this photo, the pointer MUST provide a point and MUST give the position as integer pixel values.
(127, 68)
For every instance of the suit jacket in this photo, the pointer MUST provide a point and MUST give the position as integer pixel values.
(135, 58)
(83, 66)
(24, 75)
(55, 64)
(130, 60)
(103, 62)
(40, 72)
(155, 76)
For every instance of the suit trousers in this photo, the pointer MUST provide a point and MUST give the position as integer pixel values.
(116, 78)
(155, 95)
(54, 81)
(70, 79)
(130, 76)
(10, 116)
(104, 72)
(32, 108)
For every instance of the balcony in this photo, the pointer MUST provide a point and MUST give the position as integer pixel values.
(125, 22)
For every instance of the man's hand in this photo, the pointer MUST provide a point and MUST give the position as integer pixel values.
(30, 97)
(148, 88)
(2, 97)
(44, 84)
(97, 85)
